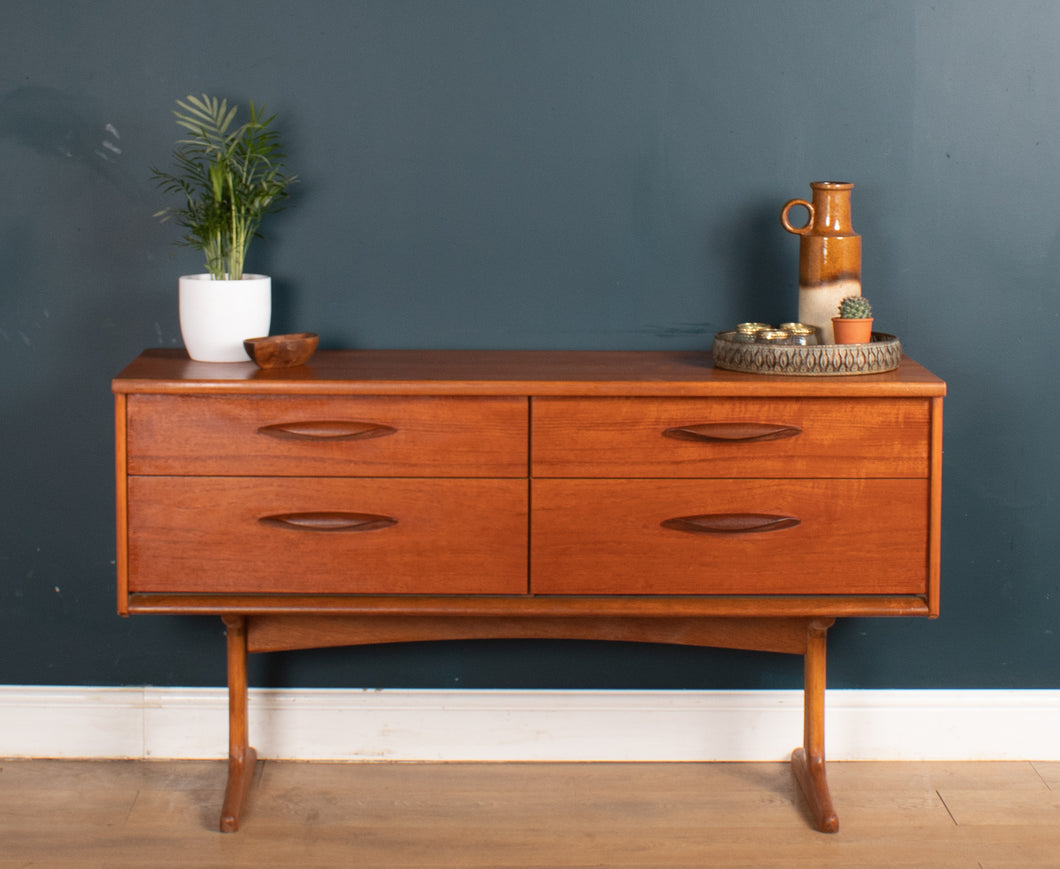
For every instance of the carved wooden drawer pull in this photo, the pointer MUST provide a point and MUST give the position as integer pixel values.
(732, 432)
(330, 430)
(730, 523)
(328, 521)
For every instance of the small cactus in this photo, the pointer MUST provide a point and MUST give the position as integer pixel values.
(855, 308)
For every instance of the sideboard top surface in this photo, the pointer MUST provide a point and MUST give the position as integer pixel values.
(506, 372)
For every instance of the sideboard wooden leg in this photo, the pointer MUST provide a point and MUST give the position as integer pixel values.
(808, 761)
(242, 759)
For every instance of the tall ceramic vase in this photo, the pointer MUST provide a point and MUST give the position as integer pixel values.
(829, 254)
(217, 316)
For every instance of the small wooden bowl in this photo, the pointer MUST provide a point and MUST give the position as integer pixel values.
(282, 351)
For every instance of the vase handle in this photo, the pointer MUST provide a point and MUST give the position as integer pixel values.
(797, 230)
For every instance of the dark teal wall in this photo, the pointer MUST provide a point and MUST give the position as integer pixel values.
(543, 173)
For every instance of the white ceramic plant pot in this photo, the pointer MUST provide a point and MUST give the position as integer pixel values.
(216, 316)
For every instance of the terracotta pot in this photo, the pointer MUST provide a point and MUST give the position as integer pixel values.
(850, 330)
(829, 253)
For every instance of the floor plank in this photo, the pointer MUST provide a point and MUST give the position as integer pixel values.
(1050, 773)
(117, 815)
(997, 808)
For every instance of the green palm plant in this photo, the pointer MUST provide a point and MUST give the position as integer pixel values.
(228, 177)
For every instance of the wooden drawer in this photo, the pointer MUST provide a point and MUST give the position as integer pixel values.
(851, 537)
(327, 436)
(730, 437)
(327, 536)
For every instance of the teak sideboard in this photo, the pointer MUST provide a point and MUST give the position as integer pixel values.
(392, 496)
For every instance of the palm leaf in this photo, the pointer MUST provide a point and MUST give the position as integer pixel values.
(227, 177)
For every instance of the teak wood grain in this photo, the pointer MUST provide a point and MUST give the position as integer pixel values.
(394, 496)
(272, 633)
(460, 608)
(360, 436)
(206, 534)
(642, 437)
(507, 372)
(608, 537)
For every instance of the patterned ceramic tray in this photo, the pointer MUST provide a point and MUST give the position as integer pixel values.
(883, 353)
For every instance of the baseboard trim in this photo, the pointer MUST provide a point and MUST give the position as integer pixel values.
(403, 725)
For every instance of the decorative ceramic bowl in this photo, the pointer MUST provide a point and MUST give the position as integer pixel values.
(282, 351)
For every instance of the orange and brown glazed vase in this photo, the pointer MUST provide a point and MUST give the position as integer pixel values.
(829, 254)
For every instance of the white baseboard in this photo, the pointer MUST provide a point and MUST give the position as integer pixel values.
(399, 725)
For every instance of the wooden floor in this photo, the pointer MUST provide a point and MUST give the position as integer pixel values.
(96, 814)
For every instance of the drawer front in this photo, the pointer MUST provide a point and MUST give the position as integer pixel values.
(801, 537)
(730, 437)
(327, 536)
(327, 436)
